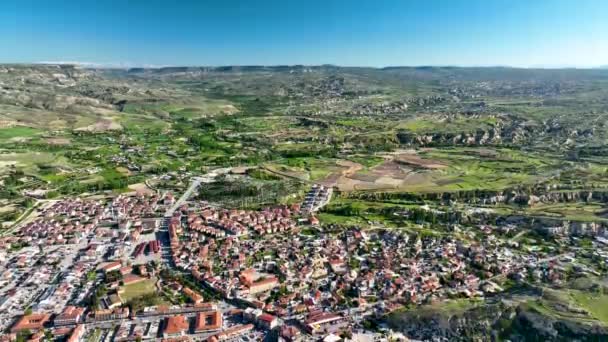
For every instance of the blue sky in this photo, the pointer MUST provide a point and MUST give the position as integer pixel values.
(343, 32)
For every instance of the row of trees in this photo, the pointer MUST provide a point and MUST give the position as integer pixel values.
(418, 215)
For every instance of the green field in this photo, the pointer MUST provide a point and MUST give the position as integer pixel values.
(575, 305)
(468, 169)
(18, 132)
(596, 304)
(139, 289)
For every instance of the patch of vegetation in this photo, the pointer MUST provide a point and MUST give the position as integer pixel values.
(139, 289)
(18, 132)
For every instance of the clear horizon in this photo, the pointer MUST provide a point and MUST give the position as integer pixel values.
(473, 33)
(93, 65)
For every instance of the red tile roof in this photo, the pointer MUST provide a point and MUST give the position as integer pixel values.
(176, 325)
(208, 321)
(31, 322)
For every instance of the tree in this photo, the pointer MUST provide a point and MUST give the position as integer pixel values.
(48, 335)
(23, 335)
(91, 275)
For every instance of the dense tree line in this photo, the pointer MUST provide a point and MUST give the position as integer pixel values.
(418, 215)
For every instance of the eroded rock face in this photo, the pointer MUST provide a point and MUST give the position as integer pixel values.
(506, 131)
(529, 324)
(481, 137)
(38, 95)
(49, 88)
(382, 108)
(493, 322)
(521, 197)
(471, 325)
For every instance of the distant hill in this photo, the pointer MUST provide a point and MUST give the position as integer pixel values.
(72, 97)
(383, 75)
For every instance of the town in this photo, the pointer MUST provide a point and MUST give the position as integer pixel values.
(152, 267)
(302, 202)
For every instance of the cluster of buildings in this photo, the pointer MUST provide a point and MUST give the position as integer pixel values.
(43, 281)
(134, 331)
(50, 264)
(318, 196)
(60, 222)
(70, 221)
(179, 322)
(56, 262)
(329, 282)
(203, 322)
(190, 232)
(124, 159)
(134, 208)
(241, 266)
(221, 222)
(567, 228)
(301, 286)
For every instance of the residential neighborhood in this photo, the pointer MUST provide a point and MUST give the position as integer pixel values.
(119, 269)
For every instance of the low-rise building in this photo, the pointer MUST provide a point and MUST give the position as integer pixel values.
(196, 298)
(325, 323)
(263, 285)
(71, 315)
(208, 321)
(77, 333)
(176, 326)
(33, 322)
(267, 321)
(106, 315)
(231, 333)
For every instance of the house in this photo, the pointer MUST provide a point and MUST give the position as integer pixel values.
(263, 285)
(231, 333)
(251, 314)
(114, 301)
(176, 326)
(194, 297)
(248, 276)
(267, 321)
(77, 333)
(71, 315)
(324, 322)
(132, 279)
(290, 333)
(126, 270)
(33, 322)
(313, 221)
(111, 266)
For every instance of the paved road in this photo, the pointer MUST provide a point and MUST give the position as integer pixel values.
(520, 234)
(286, 175)
(222, 306)
(196, 182)
(540, 261)
(23, 217)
